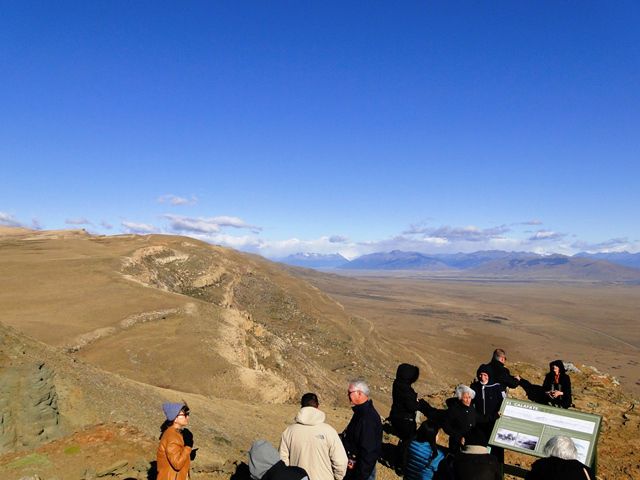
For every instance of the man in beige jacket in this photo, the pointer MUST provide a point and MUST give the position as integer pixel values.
(312, 444)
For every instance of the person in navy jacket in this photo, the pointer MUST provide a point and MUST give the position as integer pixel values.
(362, 438)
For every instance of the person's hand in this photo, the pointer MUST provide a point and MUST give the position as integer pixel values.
(517, 377)
(188, 437)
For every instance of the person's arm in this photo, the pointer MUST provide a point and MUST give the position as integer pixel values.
(451, 423)
(177, 453)
(338, 456)
(284, 449)
(566, 387)
(425, 408)
(452, 427)
(508, 379)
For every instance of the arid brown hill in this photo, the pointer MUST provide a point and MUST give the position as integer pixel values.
(96, 332)
(65, 419)
(149, 307)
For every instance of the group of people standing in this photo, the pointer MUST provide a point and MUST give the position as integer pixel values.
(469, 419)
(311, 449)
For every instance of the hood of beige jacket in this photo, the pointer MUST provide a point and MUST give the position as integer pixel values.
(310, 416)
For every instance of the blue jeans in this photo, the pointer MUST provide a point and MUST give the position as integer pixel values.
(373, 474)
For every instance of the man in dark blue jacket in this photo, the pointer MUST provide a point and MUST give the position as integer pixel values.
(363, 436)
(498, 373)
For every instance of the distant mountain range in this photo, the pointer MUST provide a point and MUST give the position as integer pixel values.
(315, 260)
(619, 258)
(607, 267)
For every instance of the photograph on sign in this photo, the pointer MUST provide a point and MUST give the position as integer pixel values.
(583, 448)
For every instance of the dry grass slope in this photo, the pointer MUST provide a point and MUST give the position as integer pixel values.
(104, 329)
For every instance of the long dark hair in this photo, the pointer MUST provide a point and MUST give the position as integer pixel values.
(428, 432)
(166, 424)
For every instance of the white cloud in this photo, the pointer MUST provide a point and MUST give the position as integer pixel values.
(177, 200)
(546, 235)
(613, 245)
(9, 220)
(469, 233)
(206, 225)
(290, 246)
(243, 242)
(338, 239)
(278, 248)
(140, 228)
(438, 241)
(106, 225)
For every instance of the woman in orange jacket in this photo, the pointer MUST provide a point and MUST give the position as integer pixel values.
(174, 452)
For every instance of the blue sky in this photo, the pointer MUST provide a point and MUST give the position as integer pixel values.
(352, 127)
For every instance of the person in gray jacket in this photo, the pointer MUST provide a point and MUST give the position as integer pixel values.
(312, 444)
(265, 464)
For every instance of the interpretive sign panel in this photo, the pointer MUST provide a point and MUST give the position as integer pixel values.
(526, 427)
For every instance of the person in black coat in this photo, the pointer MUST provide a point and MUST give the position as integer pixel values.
(461, 417)
(498, 373)
(404, 406)
(557, 385)
(362, 438)
(473, 461)
(404, 401)
(555, 390)
(487, 401)
(561, 463)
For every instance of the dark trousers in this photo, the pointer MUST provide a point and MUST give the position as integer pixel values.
(406, 431)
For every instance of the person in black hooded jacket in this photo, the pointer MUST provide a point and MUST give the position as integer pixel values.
(405, 401)
(404, 406)
(557, 385)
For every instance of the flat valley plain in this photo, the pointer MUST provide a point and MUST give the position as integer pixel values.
(453, 324)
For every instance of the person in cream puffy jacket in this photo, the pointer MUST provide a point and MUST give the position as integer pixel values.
(312, 444)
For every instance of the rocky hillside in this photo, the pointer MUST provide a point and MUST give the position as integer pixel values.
(146, 307)
(85, 423)
(96, 332)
